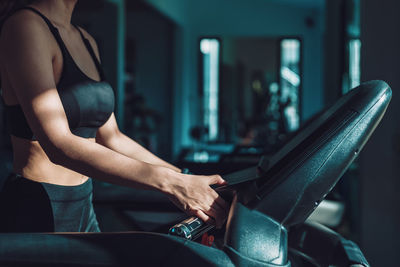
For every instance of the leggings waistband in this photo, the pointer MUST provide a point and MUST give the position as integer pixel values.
(55, 192)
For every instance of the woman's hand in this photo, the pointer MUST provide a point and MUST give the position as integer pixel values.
(193, 195)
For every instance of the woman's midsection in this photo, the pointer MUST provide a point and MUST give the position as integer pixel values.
(31, 161)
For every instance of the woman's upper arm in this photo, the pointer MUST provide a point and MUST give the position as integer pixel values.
(107, 131)
(27, 60)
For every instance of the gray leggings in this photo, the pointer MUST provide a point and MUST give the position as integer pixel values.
(29, 206)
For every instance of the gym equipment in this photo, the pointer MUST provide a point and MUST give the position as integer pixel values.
(270, 203)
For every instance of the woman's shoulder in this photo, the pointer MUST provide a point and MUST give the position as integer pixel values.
(25, 29)
(24, 24)
(24, 35)
(23, 19)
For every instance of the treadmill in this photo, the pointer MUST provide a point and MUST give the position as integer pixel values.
(269, 205)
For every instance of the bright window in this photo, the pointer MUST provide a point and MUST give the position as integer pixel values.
(354, 62)
(210, 50)
(290, 81)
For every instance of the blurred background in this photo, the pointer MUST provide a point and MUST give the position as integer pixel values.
(213, 85)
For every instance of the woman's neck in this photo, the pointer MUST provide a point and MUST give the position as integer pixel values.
(58, 11)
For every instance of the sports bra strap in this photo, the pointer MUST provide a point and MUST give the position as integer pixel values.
(52, 28)
(92, 53)
(60, 41)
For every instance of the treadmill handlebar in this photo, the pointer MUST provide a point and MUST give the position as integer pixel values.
(190, 229)
(193, 227)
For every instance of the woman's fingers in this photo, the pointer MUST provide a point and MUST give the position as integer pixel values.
(196, 197)
(217, 215)
(217, 209)
(216, 179)
(219, 200)
(204, 217)
(222, 203)
(211, 215)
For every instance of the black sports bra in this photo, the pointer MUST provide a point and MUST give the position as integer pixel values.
(87, 103)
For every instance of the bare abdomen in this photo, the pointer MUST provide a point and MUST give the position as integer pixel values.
(31, 161)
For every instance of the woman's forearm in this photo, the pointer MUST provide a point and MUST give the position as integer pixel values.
(128, 147)
(97, 161)
(190, 193)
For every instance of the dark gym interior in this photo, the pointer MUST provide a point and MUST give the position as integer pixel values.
(212, 86)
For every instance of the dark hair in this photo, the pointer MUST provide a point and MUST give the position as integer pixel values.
(9, 6)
